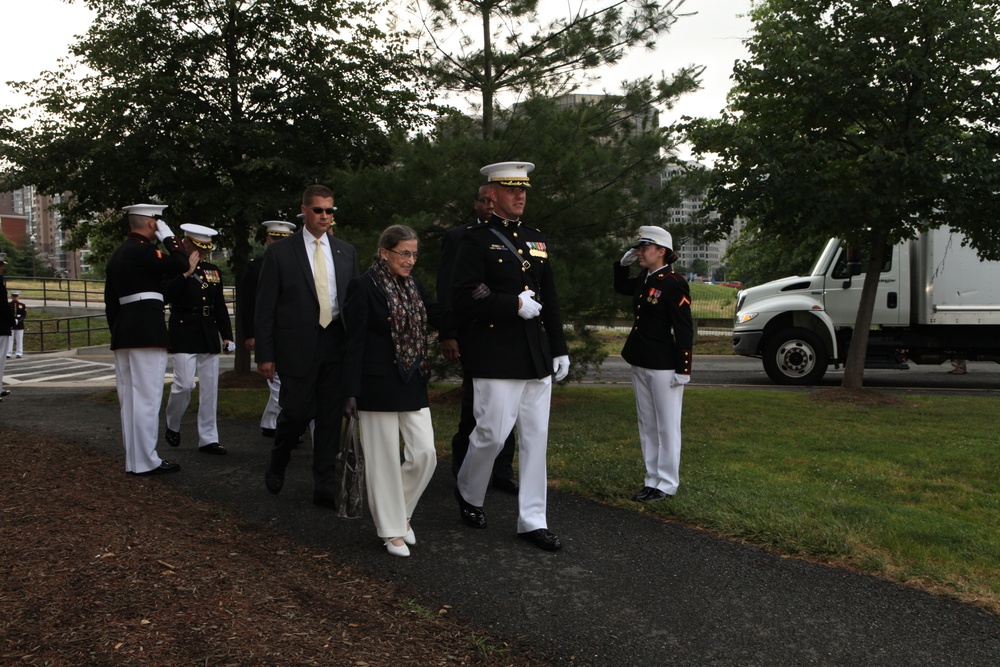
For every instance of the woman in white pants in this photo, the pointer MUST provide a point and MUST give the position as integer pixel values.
(659, 349)
(385, 375)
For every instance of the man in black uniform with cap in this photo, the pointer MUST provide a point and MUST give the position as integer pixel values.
(246, 297)
(514, 348)
(133, 300)
(503, 467)
(6, 324)
(20, 314)
(198, 319)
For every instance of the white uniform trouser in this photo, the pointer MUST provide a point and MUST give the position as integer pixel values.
(394, 488)
(206, 366)
(270, 417)
(499, 405)
(139, 378)
(658, 406)
(4, 351)
(18, 347)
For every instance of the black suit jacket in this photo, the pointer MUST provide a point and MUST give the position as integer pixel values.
(246, 296)
(286, 318)
(452, 328)
(371, 373)
(498, 343)
(661, 339)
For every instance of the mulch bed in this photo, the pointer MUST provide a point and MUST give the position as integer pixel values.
(102, 568)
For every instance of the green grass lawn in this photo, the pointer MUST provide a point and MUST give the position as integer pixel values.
(909, 491)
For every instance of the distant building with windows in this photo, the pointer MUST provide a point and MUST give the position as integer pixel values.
(713, 254)
(42, 229)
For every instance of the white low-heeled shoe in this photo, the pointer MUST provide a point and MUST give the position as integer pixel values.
(410, 537)
(396, 551)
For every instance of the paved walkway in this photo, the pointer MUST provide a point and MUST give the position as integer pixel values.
(626, 589)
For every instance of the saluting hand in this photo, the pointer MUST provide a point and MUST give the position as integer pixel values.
(193, 260)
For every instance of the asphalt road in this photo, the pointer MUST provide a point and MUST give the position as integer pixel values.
(731, 371)
(94, 367)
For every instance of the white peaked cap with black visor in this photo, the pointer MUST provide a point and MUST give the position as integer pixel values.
(511, 174)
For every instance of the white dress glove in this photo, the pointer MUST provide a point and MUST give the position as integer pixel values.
(629, 257)
(679, 380)
(529, 307)
(162, 231)
(560, 367)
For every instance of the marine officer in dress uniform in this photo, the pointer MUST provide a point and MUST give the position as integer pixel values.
(513, 347)
(6, 325)
(246, 297)
(20, 313)
(133, 300)
(198, 319)
(659, 350)
(450, 337)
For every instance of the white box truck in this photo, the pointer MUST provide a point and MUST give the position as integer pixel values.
(936, 300)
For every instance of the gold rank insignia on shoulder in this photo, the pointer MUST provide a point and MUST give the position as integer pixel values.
(537, 249)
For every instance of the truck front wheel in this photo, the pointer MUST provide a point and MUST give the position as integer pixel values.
(795, 356)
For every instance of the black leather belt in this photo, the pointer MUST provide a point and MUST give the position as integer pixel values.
(204, 311)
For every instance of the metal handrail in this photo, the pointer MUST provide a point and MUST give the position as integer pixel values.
(76, 292)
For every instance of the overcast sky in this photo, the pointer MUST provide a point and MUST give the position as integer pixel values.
(36, 33)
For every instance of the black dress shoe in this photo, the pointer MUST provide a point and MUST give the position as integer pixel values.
(506, 484)
(267, 432)
(274, 480)
(5, 392)
(542, 539)
(173, 438)
(323, 501)
(162, 469)
(471, 515)
(214, 448)
(642, 493)
(655, 494)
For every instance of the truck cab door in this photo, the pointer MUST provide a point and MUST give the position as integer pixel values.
(843, 283)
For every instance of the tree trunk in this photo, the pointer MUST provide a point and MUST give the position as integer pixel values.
(854, 369)
(488, 83)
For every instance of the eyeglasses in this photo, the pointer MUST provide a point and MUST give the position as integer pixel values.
(406, 254)
(320, 211)
(484, 200)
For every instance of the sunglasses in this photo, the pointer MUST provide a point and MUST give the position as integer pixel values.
(320, 211)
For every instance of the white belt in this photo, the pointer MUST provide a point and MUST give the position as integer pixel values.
(139, 296)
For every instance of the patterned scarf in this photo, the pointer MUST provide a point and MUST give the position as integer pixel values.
(407, 320)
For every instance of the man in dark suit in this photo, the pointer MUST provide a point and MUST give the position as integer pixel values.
(298, 333)
(513, 348)
(133, 300)
(503, 466)
(199, 319)
(246, 298)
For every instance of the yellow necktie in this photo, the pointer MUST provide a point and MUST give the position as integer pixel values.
(322, 285)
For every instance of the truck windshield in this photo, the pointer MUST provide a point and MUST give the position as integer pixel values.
(825, 258)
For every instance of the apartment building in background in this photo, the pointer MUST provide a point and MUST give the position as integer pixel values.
(42, 229)
(713, 254)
